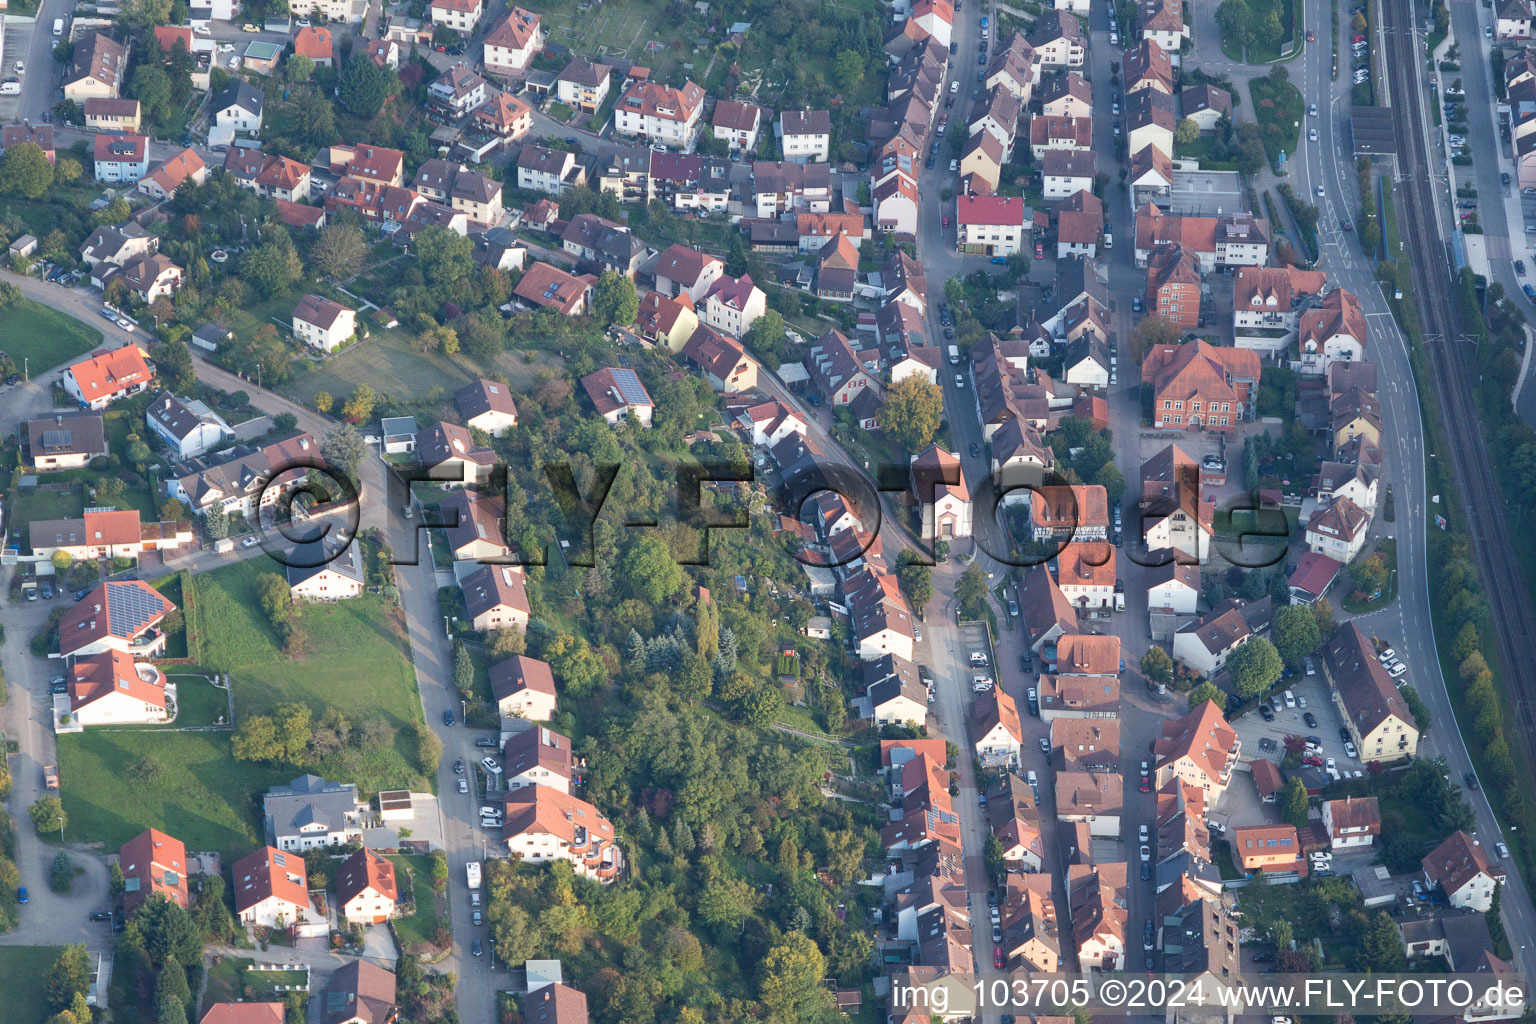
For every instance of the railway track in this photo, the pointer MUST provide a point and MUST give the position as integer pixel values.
(1504, 587)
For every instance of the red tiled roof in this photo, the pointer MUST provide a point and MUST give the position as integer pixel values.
(270, 872)
(313, 42)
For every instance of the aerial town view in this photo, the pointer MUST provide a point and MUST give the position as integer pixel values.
(631, 511)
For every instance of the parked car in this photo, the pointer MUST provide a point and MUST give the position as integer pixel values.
(1310, 719)
(458, 767)
(1349, 748)
(463, 785)
(1146, 853)
(1266, 712)
(448, 716)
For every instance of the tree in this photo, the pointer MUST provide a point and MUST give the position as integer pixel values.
(1466, 642)
(147, 770)
(168, 933)
(1381, 947)
(1254, 667)
(1206, 691)
(463, 669)
(298, 69)
(445, 258)
(916, 582)
(789, 984)
(1369, 575)
(70, 975)
(574, 663)
(1293, 802)
(25, 171)
(1152, 331)
(271, 268)
(650, 572)
(67, 170)
(344, 450)
(1249, 148)
(61, 876)
(216, 522)
(1235, 19)
(1295, 633)
(1156, 665)
(151, 86)
(614, 299)
(726, 901)
(1187, 132)
(429, 748)
(339, 251)
(912, 411)
(47, 814)
(255, 739)
(172, 982)
(971, 592)
(359, 407)
(766, 339)
(1109, 477)
(173, 361)
(848, 69)
(62, 560)
(1417, 708)
(365, 87)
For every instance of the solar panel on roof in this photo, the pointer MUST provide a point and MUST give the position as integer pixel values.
(630, 387)
(130, 608)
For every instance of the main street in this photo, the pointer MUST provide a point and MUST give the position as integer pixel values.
(1408, 625)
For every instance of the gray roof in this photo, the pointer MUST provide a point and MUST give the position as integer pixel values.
(348, 562)
(240, 93)
(180, 417)
(71, 433)
(306, 800)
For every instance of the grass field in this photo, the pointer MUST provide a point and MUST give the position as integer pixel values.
(42, 337)
(208, 800)
(35, 505)
(414, 874)
(224, 981)
(198, 702)
(22, 970)
(355, 660)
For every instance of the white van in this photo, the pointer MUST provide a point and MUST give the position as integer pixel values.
(1109, 239)
(58, 26)
(1290, 699)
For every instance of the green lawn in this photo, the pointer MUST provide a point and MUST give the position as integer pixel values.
(355, 659)
(40, 338)
(265, 983)
(22, 970)
(413, 874)
(208, 800)
(225, 984)
(198, 702)
(36, 504)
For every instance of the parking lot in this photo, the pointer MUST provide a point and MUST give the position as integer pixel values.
(1253, 730)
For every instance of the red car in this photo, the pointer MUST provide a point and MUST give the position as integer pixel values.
(997, 957)
(1311, 36)
(1146, 787)
(946, 222)
(1358, 39)
(1313, 760)
(1039, 251)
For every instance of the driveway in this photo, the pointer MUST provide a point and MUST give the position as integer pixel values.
(48, 919)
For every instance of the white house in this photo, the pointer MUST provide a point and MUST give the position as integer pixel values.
(110, 688)
(238, 107)
(330, 578)
(121, 157)
(187, 426)
(542, 824)
(272, 891)
(734, 304)
(1173, 588)
(365, 888)
(805, 135)
(460, 15)
(537, 756)
(990, 225)
(1352, 822)
(995, 724)
(310, 812)
(1066, 172)
(1338, 531)
(487, 405)
(511, 43)
(524, 687)
(938, 483)
(660, 114)
(323, 324)
(1462, 867)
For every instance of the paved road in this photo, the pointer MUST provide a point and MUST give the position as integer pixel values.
(1408, 625)
(48, 919)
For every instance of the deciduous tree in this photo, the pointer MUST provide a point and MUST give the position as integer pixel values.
(912, 411)
(1206, 691)
(1295, 633)
(1254, 666)
(339, 251)
(25, 171)
(614, 299)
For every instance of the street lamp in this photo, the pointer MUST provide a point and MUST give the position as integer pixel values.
(60, 820)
